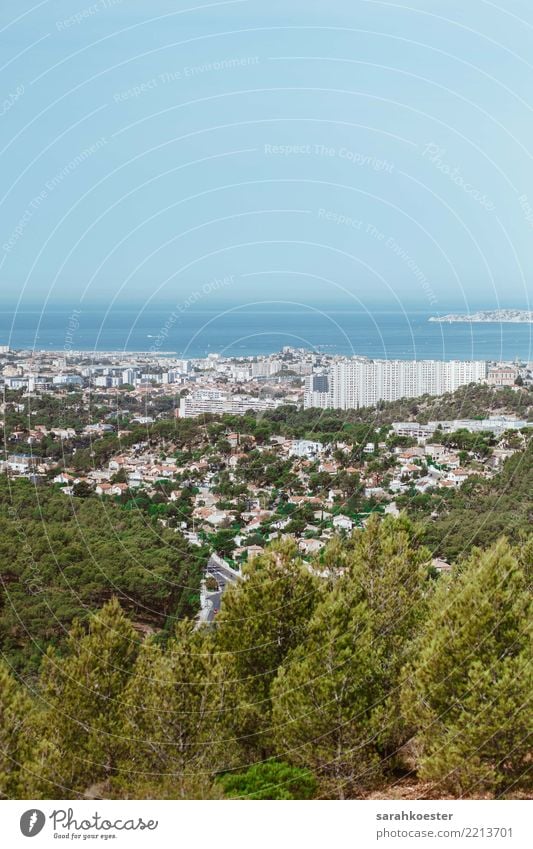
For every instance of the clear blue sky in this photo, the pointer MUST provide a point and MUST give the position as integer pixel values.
(308, 150)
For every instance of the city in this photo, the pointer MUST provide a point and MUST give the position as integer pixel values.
(112, 408)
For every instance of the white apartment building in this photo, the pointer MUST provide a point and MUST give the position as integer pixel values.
(266, 368)
(172, 376)
(240, 374)
(359, 382)
(214, 401)
(16, 382)
(494, 424)
(67, 380)
(130, 376)
(103, 382)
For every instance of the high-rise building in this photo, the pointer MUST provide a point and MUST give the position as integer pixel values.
(130, 376)
(215, 401)
(359, 382)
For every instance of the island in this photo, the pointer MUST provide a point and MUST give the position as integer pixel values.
(508, 316)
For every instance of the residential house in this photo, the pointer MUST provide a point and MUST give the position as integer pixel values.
(310, 546)
(342, 523)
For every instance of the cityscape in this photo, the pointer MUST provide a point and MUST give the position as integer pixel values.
(118, 396)
(217, 383)
(266, 407)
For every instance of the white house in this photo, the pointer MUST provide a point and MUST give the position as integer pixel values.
(457, 476)
(64, 433)
(310, 546)
(217, 518)
(374, 492)
(397, 486)
(342, 523)
(305, 448)
(63, 479)
(423, 484)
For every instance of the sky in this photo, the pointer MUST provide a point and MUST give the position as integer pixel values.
(363, 152)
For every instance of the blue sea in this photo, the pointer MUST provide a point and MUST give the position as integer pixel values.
(242, 330)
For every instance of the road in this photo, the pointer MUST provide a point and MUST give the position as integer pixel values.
(223, 574)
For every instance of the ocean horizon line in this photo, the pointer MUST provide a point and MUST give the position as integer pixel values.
(311, 306)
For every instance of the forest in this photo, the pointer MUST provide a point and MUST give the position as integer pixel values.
(62, 558)
(372, 677)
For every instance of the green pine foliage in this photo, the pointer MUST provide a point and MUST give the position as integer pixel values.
(172, 712)
(336, 699)
(325, 692)
(327, 679)
(80, 702)
(262, 618)
(468, 691)
(269, 780)
(392, 569)
(15, 712)
(62, 558)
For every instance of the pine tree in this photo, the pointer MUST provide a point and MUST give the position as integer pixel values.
(80, 696)
(325, 692)
(392, 568)
(172, 733)
(262, 618)
(15, 708)
(336, 699)
(468, 692)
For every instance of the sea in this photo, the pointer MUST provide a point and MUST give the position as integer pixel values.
(241, 330)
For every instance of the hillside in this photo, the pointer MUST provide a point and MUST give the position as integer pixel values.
(380, 680)
(62, 559)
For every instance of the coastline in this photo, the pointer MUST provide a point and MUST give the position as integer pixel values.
(504, 316)
(381, 335)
